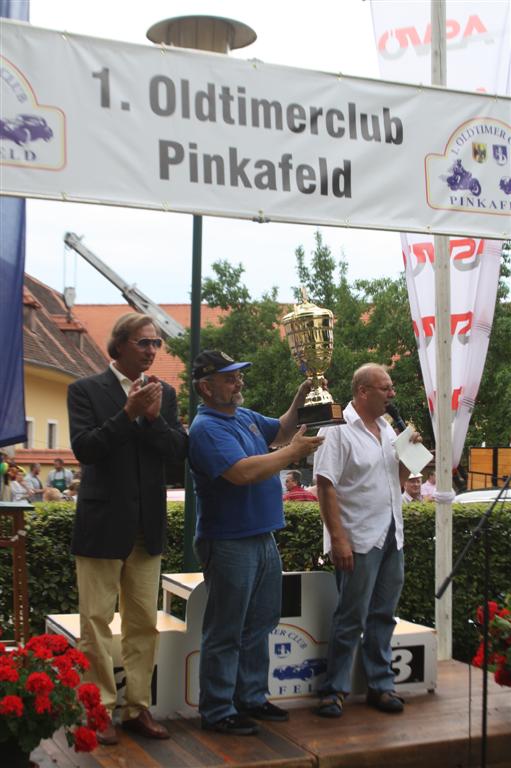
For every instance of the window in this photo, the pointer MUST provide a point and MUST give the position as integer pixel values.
(29, 428)
(51, 442)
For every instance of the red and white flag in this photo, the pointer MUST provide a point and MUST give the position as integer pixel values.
(478, 37)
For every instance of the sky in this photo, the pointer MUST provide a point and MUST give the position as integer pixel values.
(153, 249)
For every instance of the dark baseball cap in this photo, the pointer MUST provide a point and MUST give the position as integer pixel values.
(213, 361)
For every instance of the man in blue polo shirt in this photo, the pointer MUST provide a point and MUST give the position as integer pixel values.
(239, 505)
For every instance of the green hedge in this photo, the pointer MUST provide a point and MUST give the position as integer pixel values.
(52, 587)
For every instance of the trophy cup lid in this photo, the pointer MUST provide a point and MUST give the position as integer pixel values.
(306, 309)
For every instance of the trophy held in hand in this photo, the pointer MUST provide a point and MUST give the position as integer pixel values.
(310, 335)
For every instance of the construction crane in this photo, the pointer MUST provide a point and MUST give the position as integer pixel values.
(167, 325)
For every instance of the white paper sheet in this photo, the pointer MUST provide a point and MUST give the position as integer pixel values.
(413, 455)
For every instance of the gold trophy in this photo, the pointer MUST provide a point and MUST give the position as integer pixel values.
(310, 335)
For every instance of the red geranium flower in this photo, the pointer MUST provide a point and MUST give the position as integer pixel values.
(499, 641)
(478, 659)
(39, 682)
(78, 658)
(39, 694)
(98, 718)
(11, 705)
(85, 739)
(492, 610)
(8, 674)
(42, 704)
(69, 677)
(88, 694)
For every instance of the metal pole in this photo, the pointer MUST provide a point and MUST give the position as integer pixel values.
(189, 561)
(443, 406)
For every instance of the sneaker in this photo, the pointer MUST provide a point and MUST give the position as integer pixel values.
(386, 701)
(237, 725)
(267, 711)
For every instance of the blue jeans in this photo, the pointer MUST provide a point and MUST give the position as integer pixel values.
(244, 585)
(368, 598)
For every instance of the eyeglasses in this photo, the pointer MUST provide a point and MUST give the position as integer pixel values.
(230, 379)
(146, 343)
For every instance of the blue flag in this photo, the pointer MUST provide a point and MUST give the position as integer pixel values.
(14, 9)
(12, 267)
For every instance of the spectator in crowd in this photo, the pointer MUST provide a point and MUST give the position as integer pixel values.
(460, 479)
(9, 478)
(294, 488)
(52, 494)
(126, 434)
(428, 488)
(71, 493)
(60, 477)
(20, 491)
(4, 466)
(13, 470)
(359, 480)
(412, 491)
(33, 480)
(239, 505)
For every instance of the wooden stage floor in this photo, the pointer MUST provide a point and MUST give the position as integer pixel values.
(432, 732)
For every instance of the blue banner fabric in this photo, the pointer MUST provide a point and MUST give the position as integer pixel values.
(12, 266)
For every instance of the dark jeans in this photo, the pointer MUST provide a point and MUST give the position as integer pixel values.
(244, 585)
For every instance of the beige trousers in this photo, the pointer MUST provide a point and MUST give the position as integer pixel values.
(135, 581)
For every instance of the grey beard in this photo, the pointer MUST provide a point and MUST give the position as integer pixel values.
(236, 400)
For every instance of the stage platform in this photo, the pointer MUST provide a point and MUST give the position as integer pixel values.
(432, 731)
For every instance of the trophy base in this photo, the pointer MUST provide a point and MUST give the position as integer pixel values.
(321, 415)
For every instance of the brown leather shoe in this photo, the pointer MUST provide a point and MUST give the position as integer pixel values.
(145, 725)
(108, 737)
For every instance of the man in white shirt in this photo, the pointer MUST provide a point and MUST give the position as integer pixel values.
(359, 480)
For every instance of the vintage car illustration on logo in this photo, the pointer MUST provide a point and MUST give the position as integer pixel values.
(33, 134)
(303, 671)
(25, 128)
(460, 178)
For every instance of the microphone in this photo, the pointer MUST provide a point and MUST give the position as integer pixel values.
(393, 412)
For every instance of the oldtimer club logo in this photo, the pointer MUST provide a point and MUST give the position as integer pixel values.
(474, 173)
(32, 135)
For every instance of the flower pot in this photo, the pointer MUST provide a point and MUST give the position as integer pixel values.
(13, 756)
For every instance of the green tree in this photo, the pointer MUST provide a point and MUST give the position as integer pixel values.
(372, 324)
(248, 331)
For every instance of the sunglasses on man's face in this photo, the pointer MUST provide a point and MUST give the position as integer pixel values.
(146, 343)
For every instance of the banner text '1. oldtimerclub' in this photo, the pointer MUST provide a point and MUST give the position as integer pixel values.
(92, 120)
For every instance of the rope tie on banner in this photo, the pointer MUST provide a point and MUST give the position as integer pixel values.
(444, 497)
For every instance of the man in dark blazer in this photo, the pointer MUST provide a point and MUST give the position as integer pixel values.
(126, 435)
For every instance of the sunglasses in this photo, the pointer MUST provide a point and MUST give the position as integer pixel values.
(146, 343)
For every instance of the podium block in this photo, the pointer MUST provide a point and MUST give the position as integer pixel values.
(298, 645)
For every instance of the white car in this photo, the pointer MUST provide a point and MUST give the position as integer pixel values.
(483, 496)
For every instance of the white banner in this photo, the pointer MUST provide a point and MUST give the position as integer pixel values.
(478, 56)
(478, 42)
(475, 266)
(99, 121)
